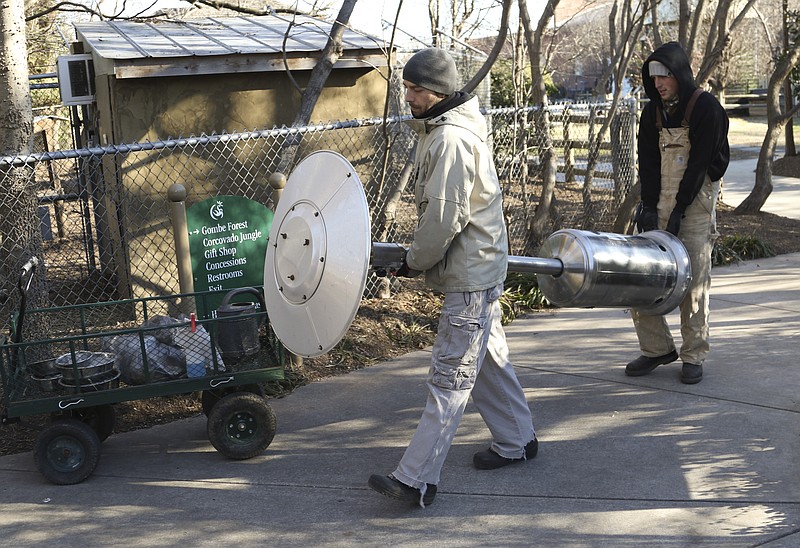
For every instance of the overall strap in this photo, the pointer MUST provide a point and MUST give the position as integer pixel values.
(687, 115)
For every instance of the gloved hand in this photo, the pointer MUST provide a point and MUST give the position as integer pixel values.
(647, 219)
(674, 223)
(405, 272)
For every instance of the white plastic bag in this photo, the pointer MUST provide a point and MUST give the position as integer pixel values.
(195, 342)
(164, 361)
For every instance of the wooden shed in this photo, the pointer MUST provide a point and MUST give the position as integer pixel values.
(214, 75)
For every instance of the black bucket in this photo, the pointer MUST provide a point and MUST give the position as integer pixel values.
(238, 324)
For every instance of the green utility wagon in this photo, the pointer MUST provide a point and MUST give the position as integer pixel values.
(93, 356)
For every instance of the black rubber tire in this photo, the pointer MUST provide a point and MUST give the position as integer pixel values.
(209, 398)
(241, 425)
(67, 451)
(101, 418)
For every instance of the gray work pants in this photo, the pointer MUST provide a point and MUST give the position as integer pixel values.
(470, 356)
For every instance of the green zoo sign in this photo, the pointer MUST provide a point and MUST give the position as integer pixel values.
(228, 238)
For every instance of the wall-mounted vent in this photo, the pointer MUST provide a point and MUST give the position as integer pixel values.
(76, 79)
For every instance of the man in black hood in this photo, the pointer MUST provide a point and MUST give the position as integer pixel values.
(683, 154)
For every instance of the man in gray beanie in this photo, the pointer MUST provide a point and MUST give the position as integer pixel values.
(460, 243)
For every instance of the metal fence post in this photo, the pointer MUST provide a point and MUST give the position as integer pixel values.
(278, 182)
(569, 153)
(633, 107)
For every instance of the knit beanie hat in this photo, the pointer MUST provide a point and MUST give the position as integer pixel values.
(432, 69)
(655, 68)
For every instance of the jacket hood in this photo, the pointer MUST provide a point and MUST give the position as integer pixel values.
(672, 56)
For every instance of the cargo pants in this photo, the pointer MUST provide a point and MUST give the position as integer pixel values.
(470, 356)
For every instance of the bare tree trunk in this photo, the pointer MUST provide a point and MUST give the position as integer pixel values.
(694, 22)
(657, 39)
(790, 149)
(16, 116)
(623, 222)
(514, 167)
(460, 12)
(540, 223)
(775, 122)
(388, 213)
(496, 49)
(319, 75)
(763, 185)
(788, 97)
(628, 24)
(20, 235)
(434, 18)
(384, 216)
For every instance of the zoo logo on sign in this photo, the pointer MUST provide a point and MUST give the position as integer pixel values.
(216, 211)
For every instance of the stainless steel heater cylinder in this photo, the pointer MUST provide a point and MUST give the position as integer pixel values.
(583, 269)
(649, 271)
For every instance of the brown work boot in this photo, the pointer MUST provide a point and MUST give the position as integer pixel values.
(644, 365)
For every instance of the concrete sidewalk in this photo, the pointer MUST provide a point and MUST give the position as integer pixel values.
(740, 179)
(622, 461)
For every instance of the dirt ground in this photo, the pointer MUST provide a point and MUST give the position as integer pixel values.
(385, 328)
(781, 233)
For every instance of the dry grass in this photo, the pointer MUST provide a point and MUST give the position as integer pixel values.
(746, 135)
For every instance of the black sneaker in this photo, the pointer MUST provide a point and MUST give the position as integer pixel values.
(489, 460)
(691, 373)
(391, 487)
(644, 365)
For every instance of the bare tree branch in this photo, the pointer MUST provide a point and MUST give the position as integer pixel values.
(496, 49)
(721, 33)
(75, 7)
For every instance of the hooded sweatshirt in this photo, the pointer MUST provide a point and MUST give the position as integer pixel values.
(460, 241)
(708, 131)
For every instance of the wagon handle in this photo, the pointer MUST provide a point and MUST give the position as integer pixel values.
(25, 280)
(26, 277)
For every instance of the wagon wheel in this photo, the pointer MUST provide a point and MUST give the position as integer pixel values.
(101, 418)
(209, 398)
(67, 451)
(241, 425)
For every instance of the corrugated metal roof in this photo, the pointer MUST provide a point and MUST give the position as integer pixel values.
(213, 36)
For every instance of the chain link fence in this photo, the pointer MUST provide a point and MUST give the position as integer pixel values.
(104, 211)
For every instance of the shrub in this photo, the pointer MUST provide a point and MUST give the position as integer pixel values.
(736, 248)
(521, 292)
